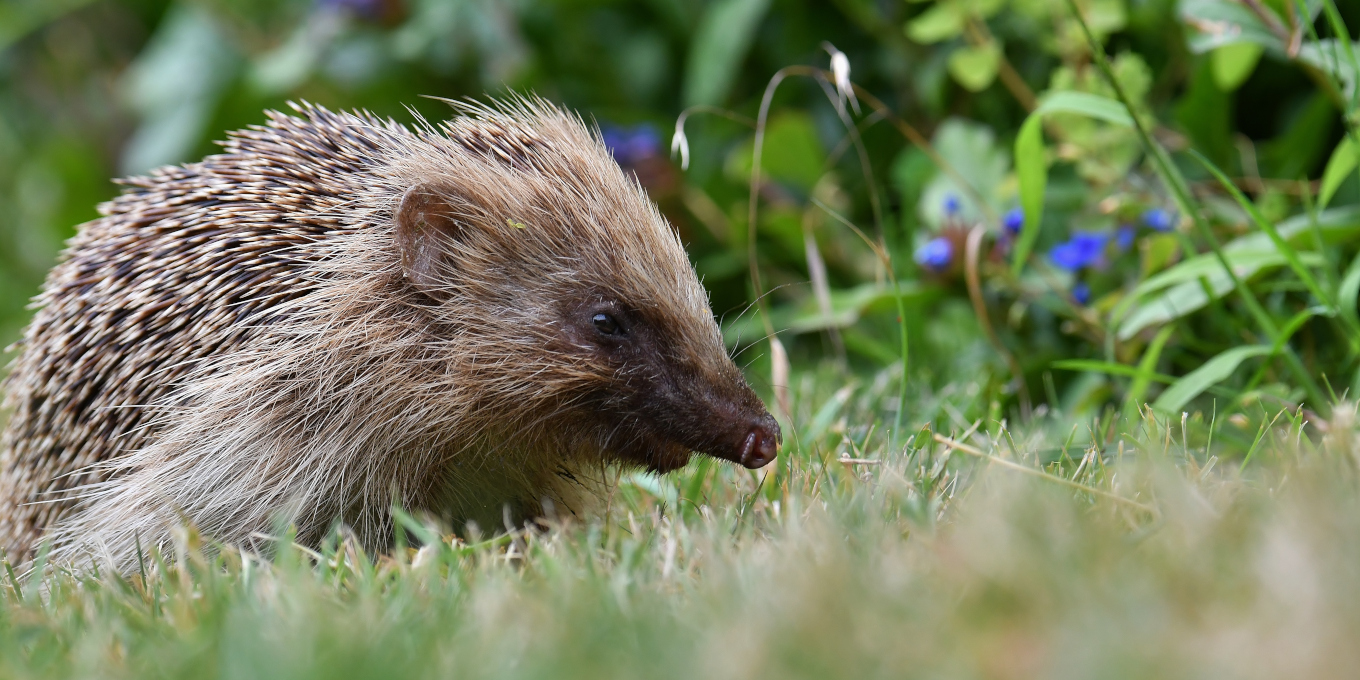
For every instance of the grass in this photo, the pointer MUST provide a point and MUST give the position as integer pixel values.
(909, 528)
(1142, 554)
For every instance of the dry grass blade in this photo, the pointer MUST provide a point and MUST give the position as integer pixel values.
(960, 446)
(970, 262)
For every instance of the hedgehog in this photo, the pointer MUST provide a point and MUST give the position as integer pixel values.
(340, 314)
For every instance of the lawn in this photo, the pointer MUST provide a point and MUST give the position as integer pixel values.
(974, 551)
(1056, 304)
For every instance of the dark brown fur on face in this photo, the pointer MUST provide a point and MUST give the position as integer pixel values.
(339, 312)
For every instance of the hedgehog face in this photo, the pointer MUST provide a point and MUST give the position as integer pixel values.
(619, 349)
(660, 392)
(562, 289)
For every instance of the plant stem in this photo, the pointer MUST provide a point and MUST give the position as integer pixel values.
(976, 31)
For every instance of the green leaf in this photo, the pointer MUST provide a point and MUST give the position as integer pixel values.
(720, 44)
(792, 152)
(973, 151)
(1334, 57)
(18, 19)
(847, 307)
(1112, 368)
(1214, 371)
(1338, 225)
(1086, 104)
(1033, 177)
(694, 487)
(655, 486)
(1233, 64)
(1189, 295)
(828, 412)
(1215, 23)
(941, 22)
(1159, 252)
(422, 533)
(1205, 112)
(1248, 255)
(1245, 261)
(1146, 365)
(1348, 71)
(1348, 290)
(975, 67)
(1339, 167)
(985, 8)
(1180, 301)
(288, 65)
(1291, 255)
(1106, 16)
(174, 86)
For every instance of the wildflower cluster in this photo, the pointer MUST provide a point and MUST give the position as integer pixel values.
(631, 145)
(937, 254)
(1091, 250)
(1084, 251)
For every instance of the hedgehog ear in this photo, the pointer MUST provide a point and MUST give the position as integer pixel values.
(423, 223)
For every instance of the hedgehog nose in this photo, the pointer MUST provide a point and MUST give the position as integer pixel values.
(761, 444)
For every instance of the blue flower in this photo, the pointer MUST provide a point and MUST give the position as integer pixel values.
(1159, 219)
(951, 205)
(368, 9)
(1123, 237)
(1083, 250)
(1013, 220)
(1081, 293)
(936, 254)
(632, 144)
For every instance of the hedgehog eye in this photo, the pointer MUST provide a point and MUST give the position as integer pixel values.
(607, 324)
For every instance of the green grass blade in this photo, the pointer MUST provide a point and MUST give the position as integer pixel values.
(694, 487)
(1033, 179)
(1344, 38)
(1291, 256)
(1349, 290)
(1146, 365)
(828, 412)
(1214, 371)
(1086, 104)
(414, 527)
(1292, 326)
(14, 583)
(1111, 368)
(1339, 167)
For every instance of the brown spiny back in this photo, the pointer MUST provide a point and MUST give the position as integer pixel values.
(186, 263)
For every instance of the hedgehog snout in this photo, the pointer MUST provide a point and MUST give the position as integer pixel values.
(743, 432)
(761, 444)
(716, 422)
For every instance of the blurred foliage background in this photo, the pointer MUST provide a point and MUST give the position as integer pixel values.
(93, 90)
(1059, 251)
